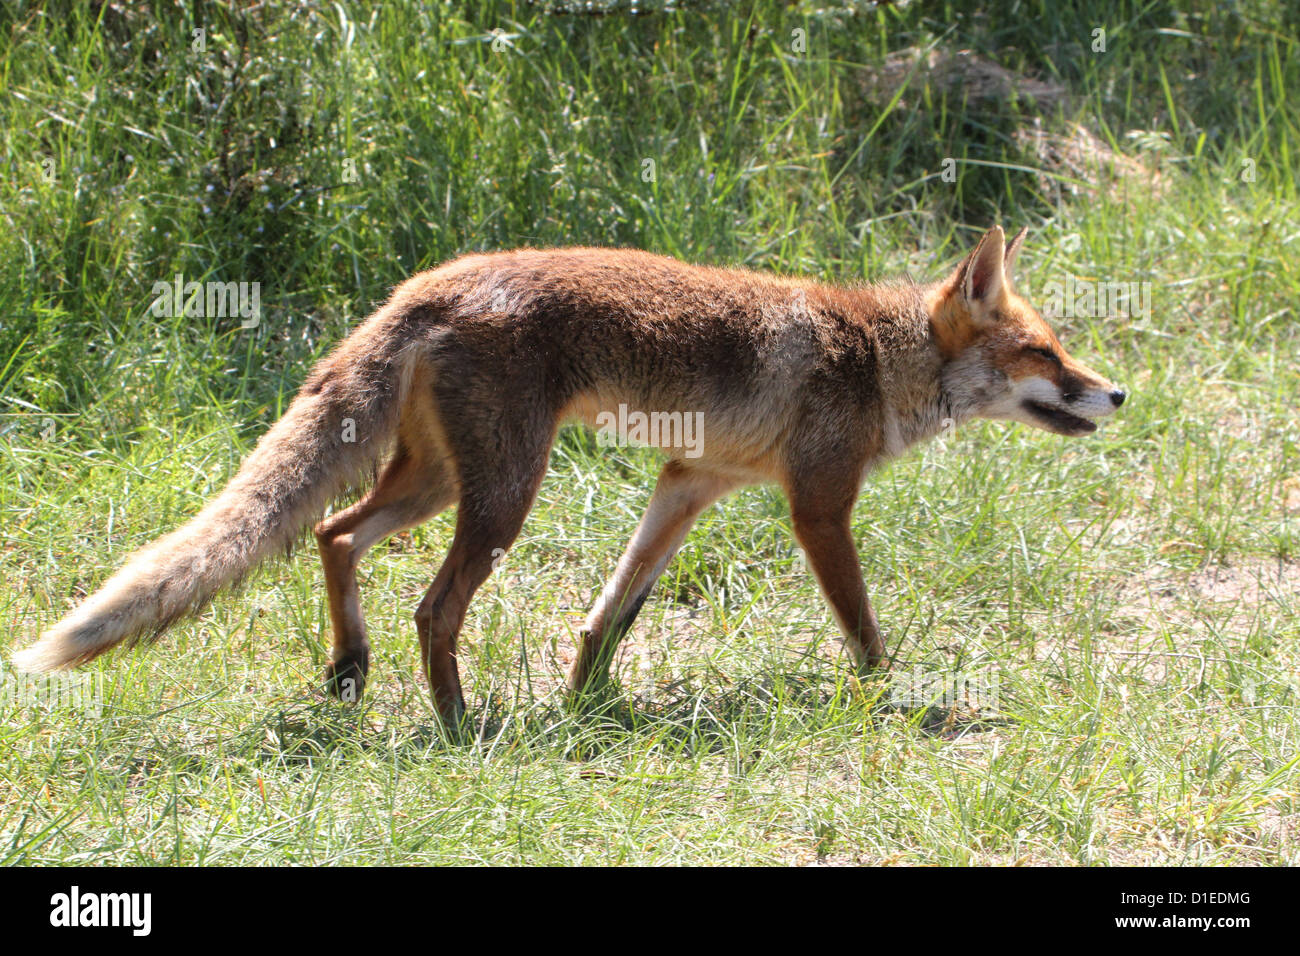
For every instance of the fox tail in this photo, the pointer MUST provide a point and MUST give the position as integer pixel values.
(337, 428)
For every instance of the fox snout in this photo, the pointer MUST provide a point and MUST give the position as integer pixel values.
(1068, 405)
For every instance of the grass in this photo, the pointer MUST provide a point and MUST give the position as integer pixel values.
(1130, 601)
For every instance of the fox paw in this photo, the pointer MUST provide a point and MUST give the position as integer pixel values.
(346, 677)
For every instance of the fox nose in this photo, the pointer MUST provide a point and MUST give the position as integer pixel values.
(1117, 397)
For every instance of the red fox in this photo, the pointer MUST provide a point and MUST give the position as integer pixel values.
(460, 381)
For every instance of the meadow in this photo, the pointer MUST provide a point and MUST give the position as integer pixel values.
(1095, 642)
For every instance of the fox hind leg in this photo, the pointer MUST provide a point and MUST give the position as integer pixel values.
(498, 491)
(410, 490)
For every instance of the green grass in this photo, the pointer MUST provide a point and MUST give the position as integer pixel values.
(1135, 594)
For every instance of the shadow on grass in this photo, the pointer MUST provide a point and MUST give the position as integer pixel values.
(680, 717)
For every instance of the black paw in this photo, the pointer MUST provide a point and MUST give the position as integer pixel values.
(346, 677)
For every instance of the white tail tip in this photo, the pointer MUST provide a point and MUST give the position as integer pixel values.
(40, 658)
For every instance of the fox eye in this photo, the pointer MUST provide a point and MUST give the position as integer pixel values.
(1045, 353)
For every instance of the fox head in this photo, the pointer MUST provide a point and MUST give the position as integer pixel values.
(1001, 360)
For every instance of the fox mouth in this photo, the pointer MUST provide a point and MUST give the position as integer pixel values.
(1059, 420)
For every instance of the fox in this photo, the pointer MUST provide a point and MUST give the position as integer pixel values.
(453, 392)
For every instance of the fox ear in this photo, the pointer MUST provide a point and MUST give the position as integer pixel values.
(983, 277)
(1013, 250)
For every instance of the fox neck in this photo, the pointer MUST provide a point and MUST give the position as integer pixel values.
(944, 390)
(917, 415)
(918, 403)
